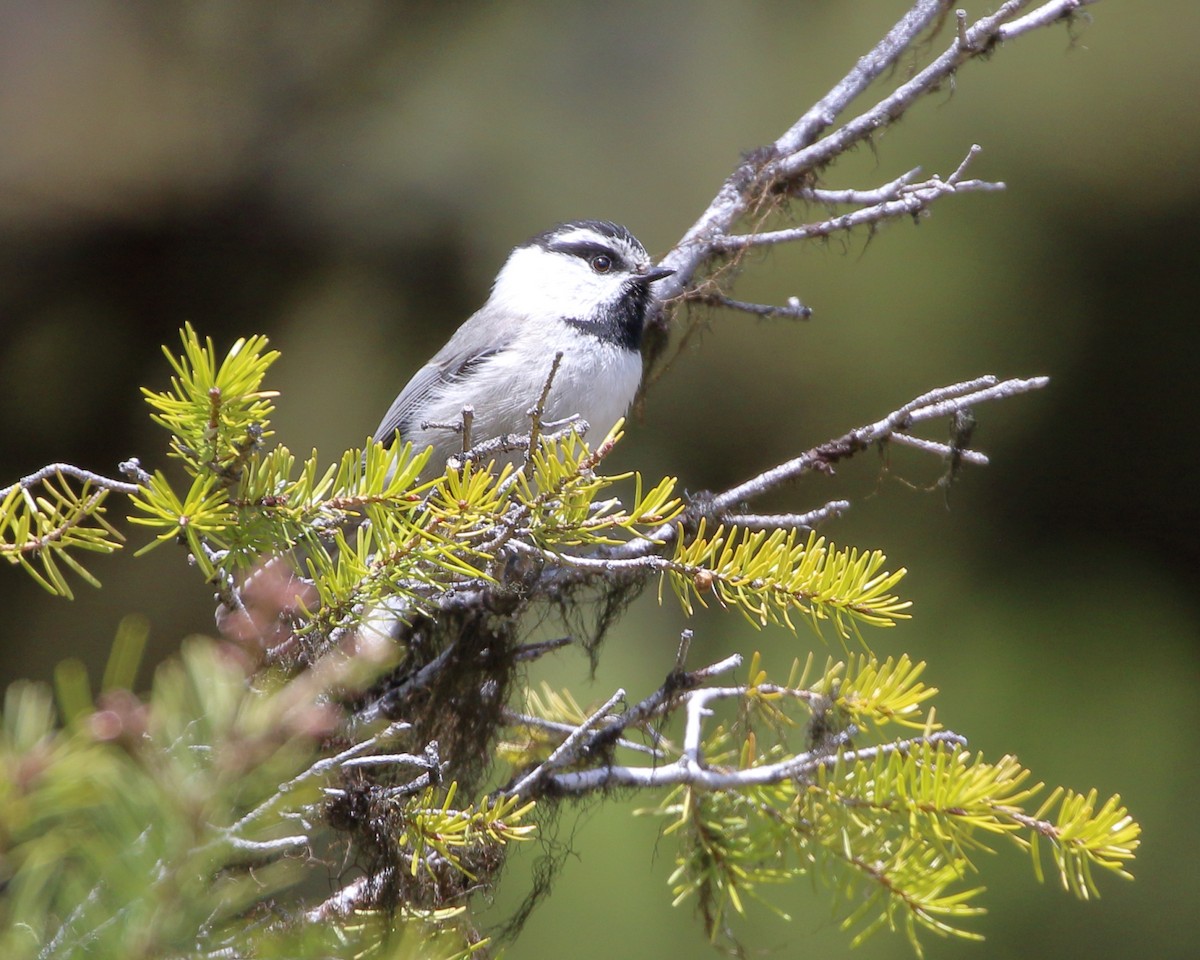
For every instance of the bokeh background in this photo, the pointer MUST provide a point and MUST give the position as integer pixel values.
(346, 178)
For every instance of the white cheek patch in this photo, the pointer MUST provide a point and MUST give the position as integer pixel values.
(549, 286)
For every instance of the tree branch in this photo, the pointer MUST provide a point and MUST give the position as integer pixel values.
(789, 165)
(944, 401)
(70, 470)
(910, 200)
(565, 753)
(929, 406)
(799, 521)
(700, 777)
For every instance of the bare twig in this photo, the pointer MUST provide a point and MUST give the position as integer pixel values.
(539, 409)
(943, 449)
(1043, 16)
(315, 771)
(353, 896)
(932, 405)
(535, 651)
(685, 646)
(378, 708)
(70, 470)
(390, 759)
(735, 195)
(690, 769)
(557, 727)
(468, 422)
(662, 700)
(792, 310)
(790, 162)
(512, 442)
(799, 521)
(591, 738)
(835, 198)
(565, 753)
(972, 41)
(908, 200)
(700, 778)
(944, 401)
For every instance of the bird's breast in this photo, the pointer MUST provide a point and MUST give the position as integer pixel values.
(595, 380)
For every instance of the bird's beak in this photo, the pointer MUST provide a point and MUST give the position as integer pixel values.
(655, 273)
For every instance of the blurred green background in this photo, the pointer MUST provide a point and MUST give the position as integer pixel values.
(348, 177)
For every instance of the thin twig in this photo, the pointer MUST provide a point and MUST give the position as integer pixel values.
(889, 191)
(792, 310)
(557, 727)
(663, 699)
(389, 759)
(942, 449)
(798, 521)
(911, 202)
(978, 39)
(802, 150)
(700, 777)
(539, 409)
(943, 401)
(937, 403)
(316, 770)
(534, 651)
(565, 753)
(468, 423)
(70, 470)
(358, 893)
(1043, 16)
(734, 197)
(422, 678)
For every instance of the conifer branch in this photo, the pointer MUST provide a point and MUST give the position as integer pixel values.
(44, 520)
(314, 731)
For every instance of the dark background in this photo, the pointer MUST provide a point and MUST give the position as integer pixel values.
(347, 178)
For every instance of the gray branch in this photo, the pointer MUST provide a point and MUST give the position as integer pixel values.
(906, 200)
(565, 753)
(798, 521)
(705, 778)
(70, 470)
(933, 405)
(790, 164)
(514, 719)
(942, 402)
(691, 767)
(792, 310)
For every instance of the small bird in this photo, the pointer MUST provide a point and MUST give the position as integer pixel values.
(581, 288)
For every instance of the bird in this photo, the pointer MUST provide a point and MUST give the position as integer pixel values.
(581, 289)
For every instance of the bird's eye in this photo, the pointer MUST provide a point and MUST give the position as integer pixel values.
(601, 263)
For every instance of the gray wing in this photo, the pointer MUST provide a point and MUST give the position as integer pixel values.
(481, 337)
